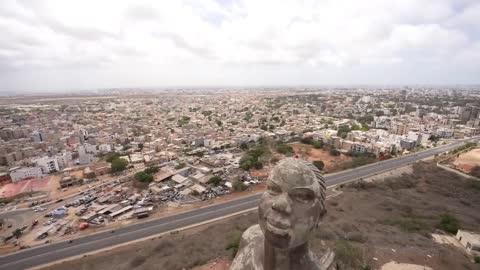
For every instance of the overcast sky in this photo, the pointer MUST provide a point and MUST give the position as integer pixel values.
(65, 45)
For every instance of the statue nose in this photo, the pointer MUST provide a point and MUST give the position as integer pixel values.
(282, 204)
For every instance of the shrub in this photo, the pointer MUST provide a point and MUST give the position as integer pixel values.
(215, 180)
(449, 223)
(306, 140)
(347, 254)
(239, 186)
(317, 144)
(334, 152)
(319, 164)
(143, 177)
(234, 243)
(152, 170)
(284, 149)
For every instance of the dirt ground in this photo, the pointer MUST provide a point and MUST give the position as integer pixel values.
(369, 224)
(332, 164)
(465, 162)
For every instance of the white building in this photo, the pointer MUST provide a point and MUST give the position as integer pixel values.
(86, 153)
(358, 148)
(105, 148)
(470, 241)
(19, 173)
(87, 149)
(48, 164)
(64, 159)
(38, 136)
(445, 133)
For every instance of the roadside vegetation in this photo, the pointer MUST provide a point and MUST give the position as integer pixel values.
(146, 176)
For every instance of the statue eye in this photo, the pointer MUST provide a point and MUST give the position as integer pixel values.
(303, 196)
(274, 189)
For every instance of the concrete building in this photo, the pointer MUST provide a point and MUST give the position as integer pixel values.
(48, 164)
(407, 144)
(470, 241)
(105, 148)
(359, 148)
(19, 173)
(445, 133)
(38, 136)
(399, 128)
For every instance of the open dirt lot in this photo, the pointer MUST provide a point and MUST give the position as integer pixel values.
(332, 164)
(368, 224)
(465, 162)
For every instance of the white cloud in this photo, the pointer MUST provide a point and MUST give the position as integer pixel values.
(234, 42)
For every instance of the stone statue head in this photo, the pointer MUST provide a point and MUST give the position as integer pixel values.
(293, 204)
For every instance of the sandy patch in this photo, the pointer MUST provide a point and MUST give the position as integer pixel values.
(465, 162)
(446, 239)
(404, 266)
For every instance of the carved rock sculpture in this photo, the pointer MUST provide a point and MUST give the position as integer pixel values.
(290, 209)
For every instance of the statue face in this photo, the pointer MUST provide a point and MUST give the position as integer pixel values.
(290, 208)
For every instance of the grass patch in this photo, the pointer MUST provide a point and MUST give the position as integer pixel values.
(348, 255)
(234, 243)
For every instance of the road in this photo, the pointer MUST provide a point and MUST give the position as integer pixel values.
(49, 253)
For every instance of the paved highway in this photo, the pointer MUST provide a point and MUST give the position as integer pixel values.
(48, 253)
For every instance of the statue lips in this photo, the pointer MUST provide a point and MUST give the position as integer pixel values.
(278, 226)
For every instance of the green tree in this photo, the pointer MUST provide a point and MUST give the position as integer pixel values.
(215, 180)
(111, 156)
(118, 165)
(152, 170)
(342, 131)
(143, 177)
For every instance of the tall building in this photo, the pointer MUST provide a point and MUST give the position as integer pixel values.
(48, 164)
(38, 136)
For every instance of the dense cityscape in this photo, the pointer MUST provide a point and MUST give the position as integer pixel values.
(113, 158)
(239, 135)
